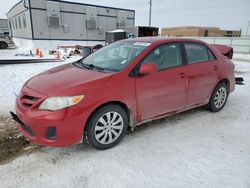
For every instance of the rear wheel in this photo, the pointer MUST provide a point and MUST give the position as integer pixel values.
(107, 127)
(3, 45)
(219, 97)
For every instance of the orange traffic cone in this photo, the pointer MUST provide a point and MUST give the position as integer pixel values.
(41, 54)
(57, 55)
(37, 51)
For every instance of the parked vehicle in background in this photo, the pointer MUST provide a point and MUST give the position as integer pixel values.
(122, 85)
(130, 32)
(6, 41)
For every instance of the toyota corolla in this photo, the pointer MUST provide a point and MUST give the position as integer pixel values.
(122, 86)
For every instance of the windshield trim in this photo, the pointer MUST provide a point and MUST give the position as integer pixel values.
(138, 47)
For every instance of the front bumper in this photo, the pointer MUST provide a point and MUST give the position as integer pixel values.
(25, 127)
(53, 128)
(11, 45)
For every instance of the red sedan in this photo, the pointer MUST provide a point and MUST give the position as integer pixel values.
(121, 86)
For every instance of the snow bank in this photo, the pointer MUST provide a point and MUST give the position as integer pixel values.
(44, 44)
(241, 57)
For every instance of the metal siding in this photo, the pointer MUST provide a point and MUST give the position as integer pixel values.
(16, 11)
(38, 4)
(74, 16)
(4, 25)
(40, 24)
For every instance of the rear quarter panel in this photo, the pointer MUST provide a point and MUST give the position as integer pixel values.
(229, 73)
(226, 67)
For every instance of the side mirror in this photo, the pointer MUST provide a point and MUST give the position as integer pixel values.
(148, 68)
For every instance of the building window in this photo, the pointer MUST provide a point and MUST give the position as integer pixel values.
(19, 22)
(13, 24)
(24, 21)
(206, 33)
(16, 23)
(10, 25)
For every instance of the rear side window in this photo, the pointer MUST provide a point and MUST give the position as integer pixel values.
(211, 56)
(165, 56)
(196, 53)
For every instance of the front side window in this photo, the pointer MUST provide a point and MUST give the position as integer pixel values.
(165, 56)
(116, 56)
(196, 53)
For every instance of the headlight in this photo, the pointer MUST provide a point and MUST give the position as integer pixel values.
(57, 103)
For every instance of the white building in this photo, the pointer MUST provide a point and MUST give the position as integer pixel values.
(3, 25)
(44, 23)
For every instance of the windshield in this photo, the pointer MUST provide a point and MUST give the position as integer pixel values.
(116, 56)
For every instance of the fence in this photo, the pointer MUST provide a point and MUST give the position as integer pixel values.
(239, 44)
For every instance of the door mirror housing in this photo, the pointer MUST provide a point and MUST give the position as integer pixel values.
(148, 68)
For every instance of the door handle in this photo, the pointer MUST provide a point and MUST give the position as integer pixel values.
(215, 67)
(182, 75)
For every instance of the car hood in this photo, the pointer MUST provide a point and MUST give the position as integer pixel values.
(66, 80)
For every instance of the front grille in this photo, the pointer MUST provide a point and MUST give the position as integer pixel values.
(30, 98)
(27, 105)
(28, 101)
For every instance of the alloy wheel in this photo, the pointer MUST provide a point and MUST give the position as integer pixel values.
(108, 127)
(220, 97)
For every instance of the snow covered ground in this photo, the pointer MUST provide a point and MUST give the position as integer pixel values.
(12, 78)
(241, 57)
(196, 148)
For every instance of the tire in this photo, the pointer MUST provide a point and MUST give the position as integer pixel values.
(107, 127)
(3, 45)
(219, 97)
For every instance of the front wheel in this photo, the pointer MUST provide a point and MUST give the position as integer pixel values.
(3, 45)
(107, 127)
(219, 97)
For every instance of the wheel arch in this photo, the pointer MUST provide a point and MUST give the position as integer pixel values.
(224, 80)
(210, 104)
(131, 118)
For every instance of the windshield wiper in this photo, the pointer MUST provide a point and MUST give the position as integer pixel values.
(91, 66)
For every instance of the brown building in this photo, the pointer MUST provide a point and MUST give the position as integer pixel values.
(194, 31)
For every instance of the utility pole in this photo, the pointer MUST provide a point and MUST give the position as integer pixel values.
(248, 24)
(150, 12)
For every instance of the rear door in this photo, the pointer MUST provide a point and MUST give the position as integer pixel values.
(203, 72)
(165, 90)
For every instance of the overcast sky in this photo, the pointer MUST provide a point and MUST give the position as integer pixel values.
(227, 14)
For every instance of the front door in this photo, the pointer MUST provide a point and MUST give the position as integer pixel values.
(165, 90)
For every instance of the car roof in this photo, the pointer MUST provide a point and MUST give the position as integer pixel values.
(163, 39)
